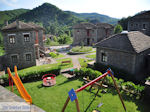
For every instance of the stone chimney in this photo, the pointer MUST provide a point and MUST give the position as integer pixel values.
(17, 23)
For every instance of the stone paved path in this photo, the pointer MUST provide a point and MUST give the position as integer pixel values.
(75, 58)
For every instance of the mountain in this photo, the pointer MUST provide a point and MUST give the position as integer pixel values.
(48, 14)
(53, 19)
(95, 17)
(8, 15)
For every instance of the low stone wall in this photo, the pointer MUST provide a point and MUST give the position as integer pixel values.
(7, 96)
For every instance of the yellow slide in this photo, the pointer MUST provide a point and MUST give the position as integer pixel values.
(24, 94)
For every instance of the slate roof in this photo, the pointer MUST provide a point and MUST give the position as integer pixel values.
(23, 26)
(104, 25)
(84, 26)
(92, 26)
(134, 41)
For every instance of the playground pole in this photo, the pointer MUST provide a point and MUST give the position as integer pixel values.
(77, 105)
(65, 105)
(118, 91)
(92, 82)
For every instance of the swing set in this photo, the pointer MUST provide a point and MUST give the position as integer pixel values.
(73, 94)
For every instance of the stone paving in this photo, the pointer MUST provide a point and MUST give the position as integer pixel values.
(8, 96)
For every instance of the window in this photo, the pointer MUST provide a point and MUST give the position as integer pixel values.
(144, 26)
(12, 39)
(14, 59)
(136, 25)
(28, 57)
(26, 37)
(104, 57)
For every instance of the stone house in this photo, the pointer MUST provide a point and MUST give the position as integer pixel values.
(126, 51)
(90, 34)
(140, 22)
(23, 43)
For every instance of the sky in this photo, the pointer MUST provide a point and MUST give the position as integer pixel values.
(112, 8)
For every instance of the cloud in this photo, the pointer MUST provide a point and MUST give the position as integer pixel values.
(9, 2)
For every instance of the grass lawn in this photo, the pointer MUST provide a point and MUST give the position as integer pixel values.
(65, 65)
(52, 99)
(83, 62)
(47, 66)
(92, 52)
(91, 56)
(60, 56)
(81, 49)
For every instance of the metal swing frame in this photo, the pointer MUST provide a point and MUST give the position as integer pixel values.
(109, 72)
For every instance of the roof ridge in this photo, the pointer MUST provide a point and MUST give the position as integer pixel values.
(23, 25)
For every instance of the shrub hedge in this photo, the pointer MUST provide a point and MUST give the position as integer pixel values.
(125, 86)
(31, 74)
(52, 54)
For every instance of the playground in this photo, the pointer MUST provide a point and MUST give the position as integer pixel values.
(52, 99)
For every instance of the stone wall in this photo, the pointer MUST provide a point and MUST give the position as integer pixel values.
(40, 37)
(118, 59)
(20, 48)
(96, 34)
(103, 33)
(139, 24)
(80, 35)
(142, 64)
(136, 64)
(2, 62)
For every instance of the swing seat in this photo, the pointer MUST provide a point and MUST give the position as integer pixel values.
(100, 105)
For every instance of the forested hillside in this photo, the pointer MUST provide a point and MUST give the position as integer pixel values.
(95, 17)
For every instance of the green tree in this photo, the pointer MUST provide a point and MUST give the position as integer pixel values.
(64, 39)
(55, 39)
(118, 29)
(48, 41)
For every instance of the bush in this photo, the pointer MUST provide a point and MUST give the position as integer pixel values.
(32, 74)
(87, 72)
(52, 54)
(130, 86)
